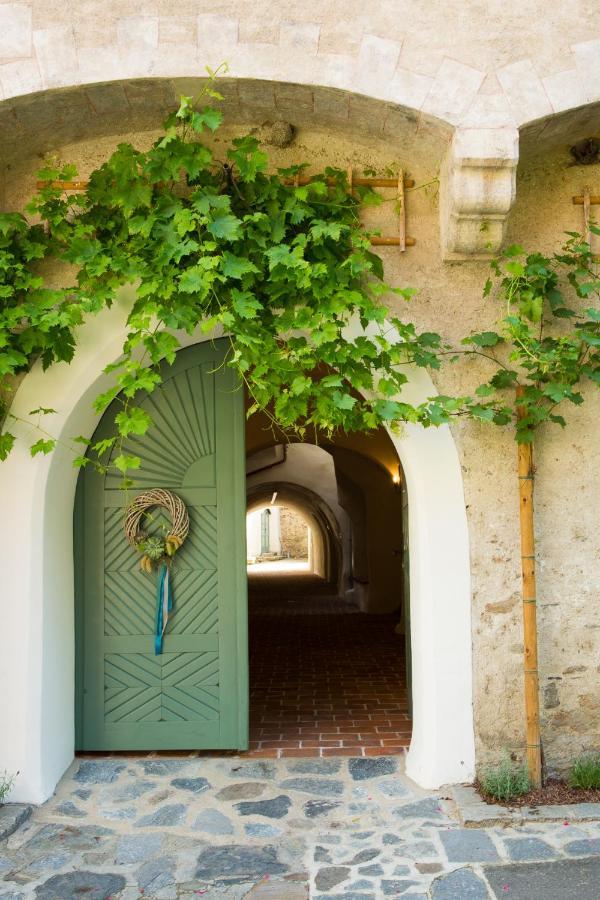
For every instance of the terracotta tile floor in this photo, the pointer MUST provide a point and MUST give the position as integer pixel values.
(325, 680)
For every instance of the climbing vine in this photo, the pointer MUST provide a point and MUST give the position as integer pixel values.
(220, 245)
(286, 272)
(547, 345)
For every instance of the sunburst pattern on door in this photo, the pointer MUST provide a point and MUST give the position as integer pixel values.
(182, 432)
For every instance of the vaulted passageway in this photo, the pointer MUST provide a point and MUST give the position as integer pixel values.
(328, 669)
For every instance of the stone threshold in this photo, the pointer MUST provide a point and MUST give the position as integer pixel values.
(473, 812)
(11, 816)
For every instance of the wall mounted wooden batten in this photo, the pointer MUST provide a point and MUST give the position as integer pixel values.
(399, 240)
(586, 200)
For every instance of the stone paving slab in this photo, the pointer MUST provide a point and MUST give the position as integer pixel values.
(560, 880)
(11, 816)
(474, 812)
(346, 828)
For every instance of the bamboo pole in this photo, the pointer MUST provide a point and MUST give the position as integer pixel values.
(530, 658)
(586, 216)
(401, 213)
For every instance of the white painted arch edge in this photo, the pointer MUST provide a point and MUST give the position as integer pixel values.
(37, 662)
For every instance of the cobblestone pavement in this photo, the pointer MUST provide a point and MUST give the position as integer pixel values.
(285, 829)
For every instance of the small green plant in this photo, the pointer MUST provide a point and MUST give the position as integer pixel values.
(6, 783)
(506, 781)
(585, 772)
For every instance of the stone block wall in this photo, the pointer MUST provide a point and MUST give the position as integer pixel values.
(294, 534)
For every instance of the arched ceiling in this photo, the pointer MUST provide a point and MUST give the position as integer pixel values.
(41, 122)
(376, 445)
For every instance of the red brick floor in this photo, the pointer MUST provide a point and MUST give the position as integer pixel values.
(325, 680)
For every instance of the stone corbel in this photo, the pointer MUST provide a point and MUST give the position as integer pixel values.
(477, 191)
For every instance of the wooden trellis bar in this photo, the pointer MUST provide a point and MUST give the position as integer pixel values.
(400, 183)
(580, 200)
(300, 179)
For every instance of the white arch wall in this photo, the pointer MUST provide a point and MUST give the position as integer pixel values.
(36, 534)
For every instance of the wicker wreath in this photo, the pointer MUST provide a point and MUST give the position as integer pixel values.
(155, 549)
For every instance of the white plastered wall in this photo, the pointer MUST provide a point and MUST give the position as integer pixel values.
(254, 532)
(36, 534)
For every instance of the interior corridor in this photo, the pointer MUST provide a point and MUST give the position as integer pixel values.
(325, 679)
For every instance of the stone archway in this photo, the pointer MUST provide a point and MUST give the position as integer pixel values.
(38, 496)
(317, 515)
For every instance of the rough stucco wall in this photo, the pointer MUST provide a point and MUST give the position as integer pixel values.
(294, 534)
(568, 474)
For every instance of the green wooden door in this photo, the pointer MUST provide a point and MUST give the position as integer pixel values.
(194, 695)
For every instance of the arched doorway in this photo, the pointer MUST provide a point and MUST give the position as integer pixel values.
(40, 493)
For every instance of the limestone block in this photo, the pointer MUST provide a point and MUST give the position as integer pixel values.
(101, 63)
(525, 91)
(486, 146)
(256, 94)
(177, 30)
(179, 60)
(488, 111)
(567, 90)
(138, 32)
(217, 38)
(333, 70)
(15, 31)
(453, 89)
(57, 55)
(107, 99)
(367, 114)
(293, 96)
(21, 77)
(377, 58)
(264, 61)
(587, 61)
(259, 32)
(299, 37)
(150, 96)
(398, 121)
(477, 190)
(331, 105)
(409, 88)
(339, 37)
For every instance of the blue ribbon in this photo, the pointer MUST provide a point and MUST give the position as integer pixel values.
(164, 605)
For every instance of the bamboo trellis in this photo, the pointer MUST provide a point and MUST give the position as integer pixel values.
(400, 240)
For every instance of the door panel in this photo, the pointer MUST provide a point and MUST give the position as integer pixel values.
(194, 695)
